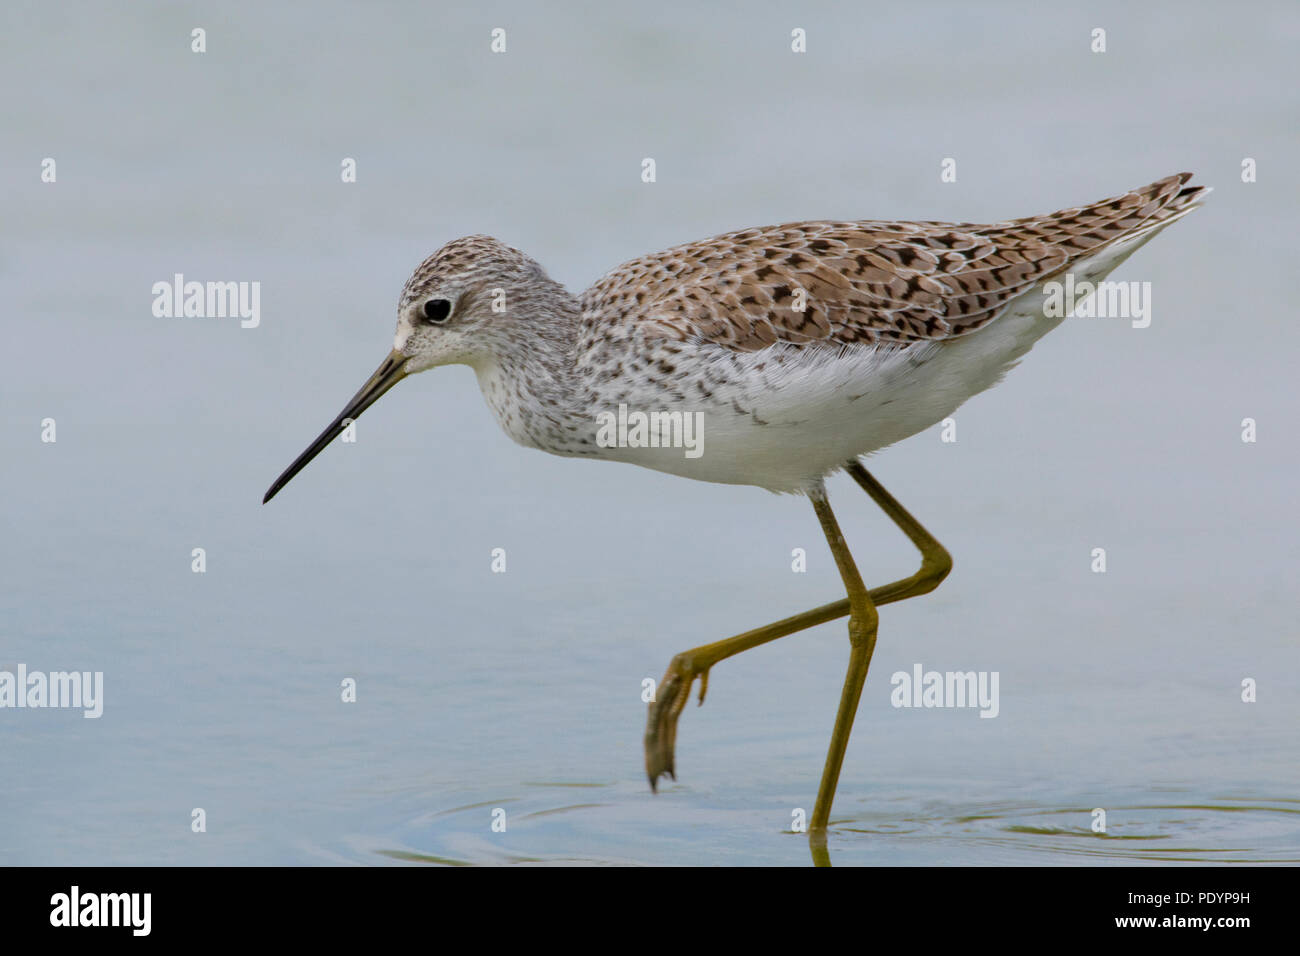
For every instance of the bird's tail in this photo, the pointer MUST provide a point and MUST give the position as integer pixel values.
(1127, 221)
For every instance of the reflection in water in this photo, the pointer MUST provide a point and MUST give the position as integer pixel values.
(1226, 829)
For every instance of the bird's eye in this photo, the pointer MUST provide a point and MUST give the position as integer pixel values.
(437, 310)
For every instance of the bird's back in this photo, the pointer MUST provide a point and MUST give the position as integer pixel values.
(868, 281)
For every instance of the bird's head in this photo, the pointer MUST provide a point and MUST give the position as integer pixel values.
(465, 304)
(466, 301)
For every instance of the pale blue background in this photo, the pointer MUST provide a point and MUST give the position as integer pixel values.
(523, 690)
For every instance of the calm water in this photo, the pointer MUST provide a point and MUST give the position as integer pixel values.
(521, 691)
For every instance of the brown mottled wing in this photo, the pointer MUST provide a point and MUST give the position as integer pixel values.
(864, 282)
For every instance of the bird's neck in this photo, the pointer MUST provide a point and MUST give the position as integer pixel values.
(531, 382)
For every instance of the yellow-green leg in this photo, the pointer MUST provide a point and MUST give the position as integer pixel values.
(674, 689)
(935, 560)
(863, 620)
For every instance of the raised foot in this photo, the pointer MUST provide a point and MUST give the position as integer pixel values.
(661, 720)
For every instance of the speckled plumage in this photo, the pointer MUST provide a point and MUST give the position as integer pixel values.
(866, 282)
(901, 323)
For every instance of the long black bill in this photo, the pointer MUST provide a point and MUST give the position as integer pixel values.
(386, 376)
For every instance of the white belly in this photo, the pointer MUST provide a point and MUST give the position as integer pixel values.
(784, 427)
(787, 426)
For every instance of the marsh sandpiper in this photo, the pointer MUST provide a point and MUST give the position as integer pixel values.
(799, 348)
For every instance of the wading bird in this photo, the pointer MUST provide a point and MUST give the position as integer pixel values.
(803, 346)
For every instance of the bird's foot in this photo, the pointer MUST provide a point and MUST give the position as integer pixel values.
(661, 721)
